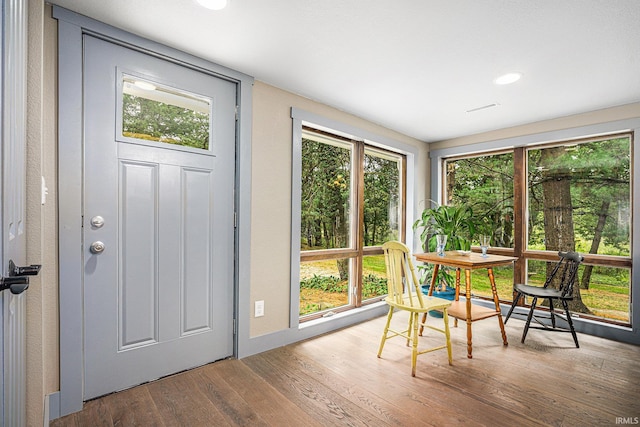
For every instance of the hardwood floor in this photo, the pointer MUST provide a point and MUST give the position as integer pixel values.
(336, 379)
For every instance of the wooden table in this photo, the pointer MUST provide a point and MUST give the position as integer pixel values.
(468, 311)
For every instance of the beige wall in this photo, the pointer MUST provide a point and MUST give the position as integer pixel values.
(271, 195)
(622, 112)
(42, 296)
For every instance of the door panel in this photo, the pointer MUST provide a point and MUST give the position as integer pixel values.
(196, 250)
(159, 298)
(138, 284)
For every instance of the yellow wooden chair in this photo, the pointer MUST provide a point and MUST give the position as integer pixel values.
(404, 293)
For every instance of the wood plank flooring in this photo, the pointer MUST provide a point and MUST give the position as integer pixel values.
(336, 379)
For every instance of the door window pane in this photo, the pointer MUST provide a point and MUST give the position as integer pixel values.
(484, 183)
(382, 197)
(162, 114)
(326, 193)
(579, 197)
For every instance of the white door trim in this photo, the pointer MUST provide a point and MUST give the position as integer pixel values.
(71, 28)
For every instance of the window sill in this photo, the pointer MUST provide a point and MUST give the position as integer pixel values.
(345, 315)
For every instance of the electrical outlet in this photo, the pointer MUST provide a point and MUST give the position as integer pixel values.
(259, 309)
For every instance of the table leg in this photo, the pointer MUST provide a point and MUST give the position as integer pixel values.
(434, 278)
(467, 283)
(496, 301)
(457, 296)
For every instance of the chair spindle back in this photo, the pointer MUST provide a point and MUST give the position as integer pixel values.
(567, 269)
(401, 276)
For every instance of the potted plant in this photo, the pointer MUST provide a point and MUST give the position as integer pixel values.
(455, 221)
(459, 225)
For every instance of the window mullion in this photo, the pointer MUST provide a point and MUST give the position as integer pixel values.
(359, 225)
(403, 209)
(520, 214)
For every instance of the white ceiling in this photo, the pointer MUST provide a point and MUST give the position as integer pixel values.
(414, 66)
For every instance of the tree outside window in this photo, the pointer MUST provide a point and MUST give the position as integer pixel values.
(579, 200)
(351, 203)
(577, 196)
(166, 115)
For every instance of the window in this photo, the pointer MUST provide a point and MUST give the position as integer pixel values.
(485, 183)
(351, 202)
(538, 200)
(383, 216)
(579, 198)
(156, 113)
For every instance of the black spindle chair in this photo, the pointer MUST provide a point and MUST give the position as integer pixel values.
(565, 271)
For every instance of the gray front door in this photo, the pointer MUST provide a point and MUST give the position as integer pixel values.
(158, 221)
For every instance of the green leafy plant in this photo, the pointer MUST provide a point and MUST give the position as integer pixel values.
(457, 223)
(373, 286)
(325, 284)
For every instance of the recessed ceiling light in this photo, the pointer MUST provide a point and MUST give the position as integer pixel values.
(508, 78)
(214, 4)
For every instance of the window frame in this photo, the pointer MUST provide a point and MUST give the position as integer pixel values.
(303, 119)
(123, 75)
(521, 144)
(357, 250)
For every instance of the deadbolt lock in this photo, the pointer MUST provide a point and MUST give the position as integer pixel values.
(97, 221)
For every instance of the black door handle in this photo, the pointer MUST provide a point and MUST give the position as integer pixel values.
(17, 282)
(16, 285)
(30, 270)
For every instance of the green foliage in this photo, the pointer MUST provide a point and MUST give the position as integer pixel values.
(325, 283)
(608, 294)
(381, 199)
(373, 286)
(456, 222)
(596, 218)
(156, 121)
(326, 191)
(485, 184)
(600, 190)
(309, 308)
(374, 264)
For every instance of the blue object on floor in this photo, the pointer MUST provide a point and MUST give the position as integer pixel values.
(448, 294)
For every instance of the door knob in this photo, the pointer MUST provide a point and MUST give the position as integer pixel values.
(97, 247)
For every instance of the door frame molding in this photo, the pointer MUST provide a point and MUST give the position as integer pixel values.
(71, 29)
